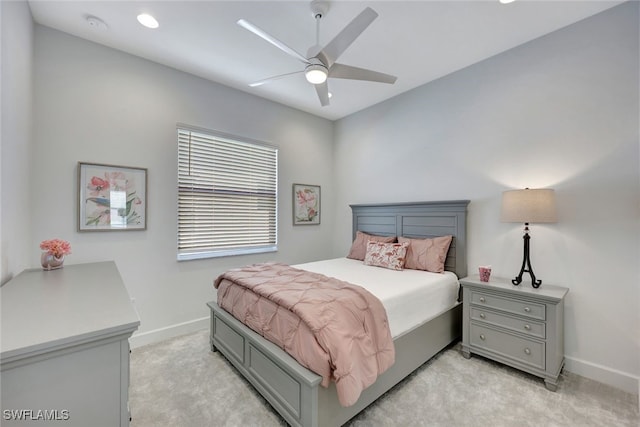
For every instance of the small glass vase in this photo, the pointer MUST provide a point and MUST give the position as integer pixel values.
(51, 262)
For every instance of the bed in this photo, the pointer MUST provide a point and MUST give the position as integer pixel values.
(294, 391)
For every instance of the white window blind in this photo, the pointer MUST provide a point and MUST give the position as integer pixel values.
(227, 196)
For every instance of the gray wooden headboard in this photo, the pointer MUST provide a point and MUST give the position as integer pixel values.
(419, 220)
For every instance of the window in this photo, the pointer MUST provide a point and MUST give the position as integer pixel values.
(227, 195)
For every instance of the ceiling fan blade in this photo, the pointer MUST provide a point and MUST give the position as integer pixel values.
(270, 79)
(323, 93)
(343, 40)
(341, 71)
(277, 43)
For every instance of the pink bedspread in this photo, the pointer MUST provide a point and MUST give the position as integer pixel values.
(335, 329)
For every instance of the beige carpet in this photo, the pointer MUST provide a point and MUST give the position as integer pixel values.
(180, 382)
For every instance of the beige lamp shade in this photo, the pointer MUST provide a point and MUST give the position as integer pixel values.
(529, 206)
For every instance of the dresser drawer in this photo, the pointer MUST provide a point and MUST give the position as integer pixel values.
(504, 344)
(522, 308)
(527, 327)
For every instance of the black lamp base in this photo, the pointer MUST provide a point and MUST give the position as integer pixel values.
(526, 262)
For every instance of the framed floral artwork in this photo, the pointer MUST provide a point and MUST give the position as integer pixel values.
(306, 204)
(111, 197)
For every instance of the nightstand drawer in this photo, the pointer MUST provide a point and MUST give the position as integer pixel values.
(522, 308)
(535, 329)
(525, 351)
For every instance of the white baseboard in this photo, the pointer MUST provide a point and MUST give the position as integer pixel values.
(622, 380)
(157, 335)
(618, 379)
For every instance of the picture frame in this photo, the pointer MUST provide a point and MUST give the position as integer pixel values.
(111, 198)
(306, 204)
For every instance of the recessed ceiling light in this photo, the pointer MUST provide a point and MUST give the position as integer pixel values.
(148, 20)
(506, 1)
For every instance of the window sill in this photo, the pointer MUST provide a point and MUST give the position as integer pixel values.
(225, 253)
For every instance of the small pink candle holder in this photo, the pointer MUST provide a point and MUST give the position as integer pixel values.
(485, 273)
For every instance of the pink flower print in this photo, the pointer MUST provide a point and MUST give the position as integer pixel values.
(307, 198)
(301, 198)
(118, 181)
(306, 205)
(97, 186)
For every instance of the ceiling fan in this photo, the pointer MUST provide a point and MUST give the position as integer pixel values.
(320, 63)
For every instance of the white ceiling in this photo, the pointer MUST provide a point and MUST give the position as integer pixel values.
(418, 41)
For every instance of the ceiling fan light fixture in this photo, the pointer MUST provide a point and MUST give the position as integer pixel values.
(316, 74)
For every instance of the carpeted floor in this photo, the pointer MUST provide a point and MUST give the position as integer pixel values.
(181, 383)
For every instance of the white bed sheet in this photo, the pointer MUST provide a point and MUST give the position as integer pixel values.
(410, 297)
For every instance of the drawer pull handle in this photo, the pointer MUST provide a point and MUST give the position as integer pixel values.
(527, 309)
(527, 327)
(482, 299)
(482, 337)
(527, 351)
(482, 316)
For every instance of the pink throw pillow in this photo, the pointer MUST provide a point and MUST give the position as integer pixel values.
(359, 245)
(427, 254)
(387, 255)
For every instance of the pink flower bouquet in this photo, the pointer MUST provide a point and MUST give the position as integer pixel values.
(56, 247)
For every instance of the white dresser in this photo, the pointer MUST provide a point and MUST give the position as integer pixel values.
(65, 347)
(520, 326)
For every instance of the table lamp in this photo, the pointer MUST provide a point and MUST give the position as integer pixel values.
(528, 206)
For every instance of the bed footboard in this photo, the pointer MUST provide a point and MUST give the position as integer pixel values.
(290, 388)
(295, 392)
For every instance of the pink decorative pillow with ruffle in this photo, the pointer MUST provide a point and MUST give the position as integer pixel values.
(359, 245)
(427, 254)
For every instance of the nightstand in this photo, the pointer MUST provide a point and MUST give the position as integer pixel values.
(519, 326)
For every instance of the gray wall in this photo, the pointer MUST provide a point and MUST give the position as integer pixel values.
(17, 106)
(559, 112)
(96, 104)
